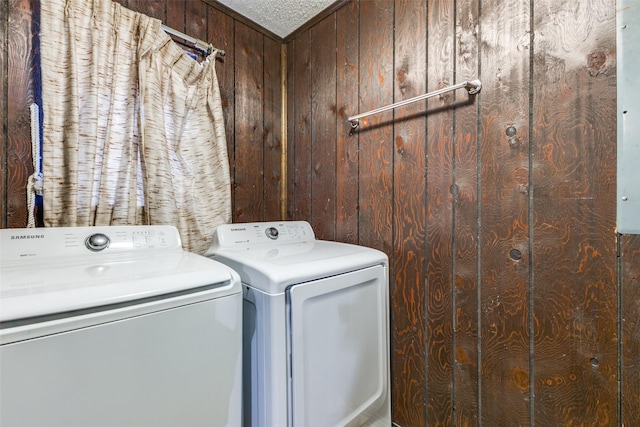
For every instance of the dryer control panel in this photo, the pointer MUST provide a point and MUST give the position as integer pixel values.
(237, 236)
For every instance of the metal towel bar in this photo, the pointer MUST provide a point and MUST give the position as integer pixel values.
(472, 86)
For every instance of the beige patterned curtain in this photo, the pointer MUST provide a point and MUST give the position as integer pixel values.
(133, 127)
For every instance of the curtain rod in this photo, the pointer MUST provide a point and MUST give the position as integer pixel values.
(202, 46)
(472, 87)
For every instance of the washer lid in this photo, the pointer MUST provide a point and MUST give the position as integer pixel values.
(272, 268)
(47, 271)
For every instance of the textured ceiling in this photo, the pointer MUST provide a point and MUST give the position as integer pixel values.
(281, 17)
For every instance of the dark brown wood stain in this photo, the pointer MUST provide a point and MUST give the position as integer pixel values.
(323, 128)
(409, 218)
(465, 217)
(19, 96)
(504, 216)
(347, 146)
(439, 285)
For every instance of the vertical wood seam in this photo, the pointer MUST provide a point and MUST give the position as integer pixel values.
(263, 90)
(479, 228)
(358, 109)
(357, 133)
(283, 131)
(425, 262)
(310, 112)
(336, 206)
(531, 224)
(620, 329)
(454, 157)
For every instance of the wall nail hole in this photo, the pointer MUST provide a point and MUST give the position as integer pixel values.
(454, 190)
(515, 254)
(595, 362)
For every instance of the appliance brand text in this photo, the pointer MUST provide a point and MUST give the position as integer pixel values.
(27, 236)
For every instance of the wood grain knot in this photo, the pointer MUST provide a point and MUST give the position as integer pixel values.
(595, 62)
(462, 357)
(399, 144)
(515, 254)
(521, 379)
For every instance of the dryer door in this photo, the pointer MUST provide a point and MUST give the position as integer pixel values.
(339, 348)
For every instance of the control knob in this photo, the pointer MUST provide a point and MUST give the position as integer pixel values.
(97, 242)
(272, 233)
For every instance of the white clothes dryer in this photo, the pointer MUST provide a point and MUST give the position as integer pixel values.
(116, 326)
(316, 326)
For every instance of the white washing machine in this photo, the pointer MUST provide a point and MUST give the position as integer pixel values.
(316, 326)
(116, 326)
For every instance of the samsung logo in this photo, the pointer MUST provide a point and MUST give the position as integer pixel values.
(238, 229)
(27, 236)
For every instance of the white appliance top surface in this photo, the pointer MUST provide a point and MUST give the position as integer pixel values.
(273, 260)
(45, 271)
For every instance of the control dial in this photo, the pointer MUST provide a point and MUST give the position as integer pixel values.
(97, 242)
(272, 233)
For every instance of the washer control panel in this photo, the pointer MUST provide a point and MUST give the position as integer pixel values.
(261, 233)
(51, 242)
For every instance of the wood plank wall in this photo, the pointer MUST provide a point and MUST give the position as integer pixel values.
(514, 301)
(19, 63)
(249, 78)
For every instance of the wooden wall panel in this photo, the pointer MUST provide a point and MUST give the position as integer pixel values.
(196, 19)
(504, 214)
(176, 14)
(376, 138)
(575, 293)
(439, 274)
(630, 319)
(291, 129)
(409, 216)
(19, 95)
(153, 8)
(221, 35)
(465, 218)
(323, 128)
(4, 122)
(492, 330)
(347, 147)
(249, 148)
(272, 133)
(301, 119)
